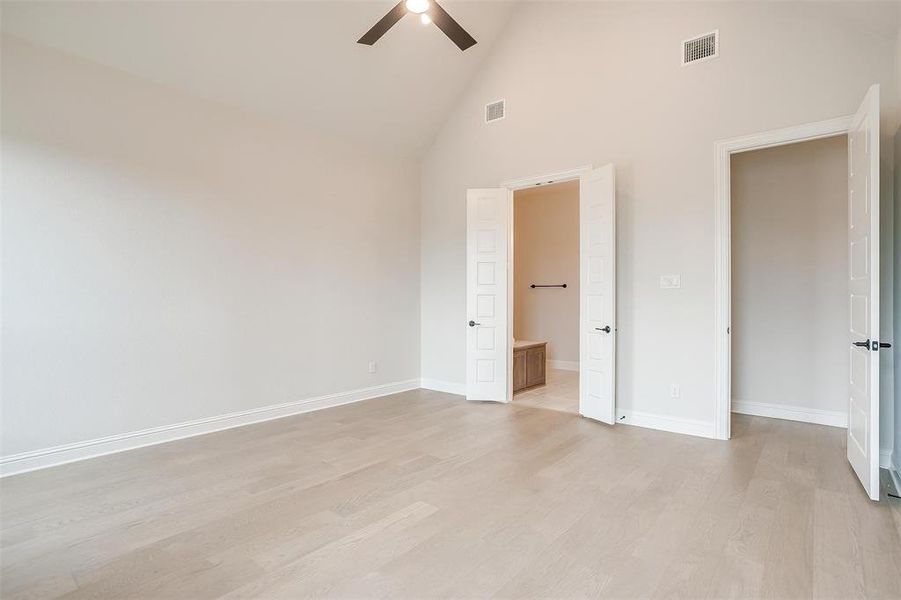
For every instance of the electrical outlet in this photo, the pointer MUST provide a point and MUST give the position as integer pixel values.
(674, 390)
(373, 366)
(669, 282)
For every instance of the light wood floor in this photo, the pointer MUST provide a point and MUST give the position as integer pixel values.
(561, 392)
(423, 495)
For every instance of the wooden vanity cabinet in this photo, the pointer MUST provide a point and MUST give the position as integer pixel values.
(529, 364)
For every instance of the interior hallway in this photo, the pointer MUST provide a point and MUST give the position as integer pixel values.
(421, 495)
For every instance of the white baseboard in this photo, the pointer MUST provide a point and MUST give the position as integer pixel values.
(447, 387)
(896, 480)
(563, 365)
(59, 455)
(885, 459)
(791, 413)
(665, 423)
(894, 470)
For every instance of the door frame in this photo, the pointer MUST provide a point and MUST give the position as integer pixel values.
(723, 151)
(513, 185)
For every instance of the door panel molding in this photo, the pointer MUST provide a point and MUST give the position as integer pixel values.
(488, 322)
(863, 283)
(597, 294)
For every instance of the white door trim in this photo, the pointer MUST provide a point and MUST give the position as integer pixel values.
(546, 179)
(723, 151)
(520, 184)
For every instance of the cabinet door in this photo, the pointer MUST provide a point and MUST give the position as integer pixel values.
(519, 370)
(535, 366)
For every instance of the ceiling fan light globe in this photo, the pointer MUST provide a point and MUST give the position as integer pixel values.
(417, 6)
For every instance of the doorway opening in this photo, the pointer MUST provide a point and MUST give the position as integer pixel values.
(546, 296)
(790, 289)
(489, 289)
(861, 322)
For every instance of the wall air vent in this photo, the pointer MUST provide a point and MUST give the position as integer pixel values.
(701, 48)
(494, 111)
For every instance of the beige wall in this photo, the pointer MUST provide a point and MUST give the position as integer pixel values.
(789, 275)
(601, 82)
(546, 250)
(166, 259)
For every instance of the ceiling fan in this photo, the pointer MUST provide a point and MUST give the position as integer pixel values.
(429, 11)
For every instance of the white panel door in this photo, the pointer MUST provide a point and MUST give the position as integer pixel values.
(597, 303)
(488, 331)
(863, 286)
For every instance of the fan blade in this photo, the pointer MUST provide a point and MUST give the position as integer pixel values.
(384, 24)
(451, 28)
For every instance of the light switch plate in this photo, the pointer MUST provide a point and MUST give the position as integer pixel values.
(668, 282)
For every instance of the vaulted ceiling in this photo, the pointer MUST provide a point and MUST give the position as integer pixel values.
(294, 61)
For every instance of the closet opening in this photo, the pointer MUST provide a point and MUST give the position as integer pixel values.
(790, 292)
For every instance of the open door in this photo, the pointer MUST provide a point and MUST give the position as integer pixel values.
(488, 330)
(863, 286)
(597, 302)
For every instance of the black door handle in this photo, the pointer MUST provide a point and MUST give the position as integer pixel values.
(604, 329)
(473, 323)
(872, 345)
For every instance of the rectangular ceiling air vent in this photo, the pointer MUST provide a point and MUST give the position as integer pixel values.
(700, 48)
(494, 111)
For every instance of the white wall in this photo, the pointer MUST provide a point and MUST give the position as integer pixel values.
(895, 446)
(789, 276)
(168, 259)
(602, 82)
(546, 251)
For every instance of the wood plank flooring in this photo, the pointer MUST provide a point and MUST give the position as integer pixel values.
(422, 495)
